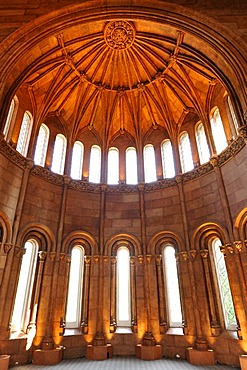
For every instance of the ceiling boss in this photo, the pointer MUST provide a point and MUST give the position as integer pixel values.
(119, 35)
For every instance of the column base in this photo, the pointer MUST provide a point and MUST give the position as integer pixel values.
(47, 356)
(243, 362)
(199, 357)
(98, 352)
(149, 352)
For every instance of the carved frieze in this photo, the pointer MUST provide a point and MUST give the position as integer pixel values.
(13, 155)
(119, 35)
(47, 175)
(230, 151)
(84, 186)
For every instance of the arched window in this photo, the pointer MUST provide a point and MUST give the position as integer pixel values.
(95, 164)
(59, 152)
(74, 300)
(218, 131)
(123, 287)
(77, 160)
(21, 313)
(41, 146)
(131, 166)
(149, 163)
(185, 153)
(233, 116)
(113, 166)
(223, 286)
(202, 144)
(172, 287)
(25, 132)
(167, 159)
(12, 110)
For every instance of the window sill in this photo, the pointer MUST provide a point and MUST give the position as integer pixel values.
(175, 331)
(123, 330)
(17, 335)
(74, 331)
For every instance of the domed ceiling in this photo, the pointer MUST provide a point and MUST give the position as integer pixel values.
(120, 76)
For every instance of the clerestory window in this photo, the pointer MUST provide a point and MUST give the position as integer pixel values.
(131, 166)
(95, 164)
(218, 131)
(25, 132)
(10, 118)
(77, 160)
(167, 159)
(41, 146)
(202, 143)
(185, 153)
(113, 166)
(149, 163)
(59, 153)
(123, 287)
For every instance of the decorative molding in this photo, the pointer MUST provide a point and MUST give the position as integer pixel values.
(184, 254)
(87, 260)
(47, 175)
(13, 155)
(84, 186)
(229, 248)
(105, 259)
(242, 130)
(52, 256)
(7, 247)
(158, 259)
(140, 258)
(61, 256)
(238, 245)
(149, 258)
(231, 150)
(42, 255)
(204, 254)
(113, 260)
(132, 260)
(96, 258)
(193, 253)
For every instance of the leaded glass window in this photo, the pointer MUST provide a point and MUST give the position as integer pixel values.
(218, 131)
(41, 146)
(25, 132)
(77, 160)
(95, 164)
(149, 163)
(185, 153)
(113, 166)
(131, 166)
(202, 144)
(58, 158)
(167, 159)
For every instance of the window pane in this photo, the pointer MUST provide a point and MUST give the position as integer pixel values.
(149, 163)
(131, 166)
(73, 311)
(234, 118)
(172, 287)
(202, 144)
(224, 287)
(77, 160)
(95, 164)
(58, 158)
(9, 117)
(41, 146)
(218, 132)
(185, 153)
(20, 316)
(123, 287)
(113, 166)
(24, 135)
(167, 159)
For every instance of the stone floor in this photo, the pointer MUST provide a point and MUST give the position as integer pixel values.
(122, 363)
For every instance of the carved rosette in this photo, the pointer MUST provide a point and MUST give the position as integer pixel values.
(105, 259)
(119, 35)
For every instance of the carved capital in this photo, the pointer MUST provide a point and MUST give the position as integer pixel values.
(132, 260)
(177, 256)
(87, 260)
(204, 254)
(42, 255)
(149, 258)
(229, 248)
(238, 245)
(184, 255)
(52, 256)
(68, 258)
(179, 178)
(242, 130)
(105, 259)
(29, 164)
(113, 260)
(18, 249)
(193, 253)
(214, 161)
(7, 247)
(96, 258)
(61, 256)
(223, 250)
(140, 258)
(66, 180)
(158, 259)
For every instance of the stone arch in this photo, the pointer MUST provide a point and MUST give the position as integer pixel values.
(157, 242)
(240, 226)
(125, 240)
(6, 228)
(206, 232)
(81, 238)
(39, 232)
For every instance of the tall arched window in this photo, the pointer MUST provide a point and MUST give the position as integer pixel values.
(21, 313)
(95, 164)
(233, 116)
(77, 160)
(12, 110)
(25, 132)
(185, 153)
(167, 159)
(123, 287)
(131, 166)
(74, 299)
(59, 152)
(113, 166)
(172, 287)
(149, 163)
(218, 131)
(202, 144)
(223, 286)
(41, 146)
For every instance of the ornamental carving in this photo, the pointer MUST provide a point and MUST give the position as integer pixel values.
(149, 258)
(47, 175)
(7, 247)
(193, 253)
(204, 254)
(238, 245)
(140, 258)
(158, 259)
(13, 155)
(119, 35)
(184, 255)
(52, 256)
(230, 151)
(84, 186)
(42, 255)
(87, 260)
(243, 130)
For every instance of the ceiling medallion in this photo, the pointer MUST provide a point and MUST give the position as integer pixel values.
(119, 35)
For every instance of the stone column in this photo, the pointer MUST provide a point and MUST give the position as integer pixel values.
(133, 294)
(113, 322)
(161, 289)
(85, 303)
